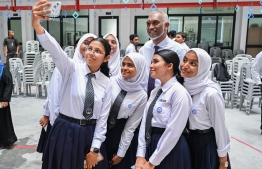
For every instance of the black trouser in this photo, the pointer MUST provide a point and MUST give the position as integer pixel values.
(9, 55)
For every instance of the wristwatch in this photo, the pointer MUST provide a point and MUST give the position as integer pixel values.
(95, 150)
(224, 164)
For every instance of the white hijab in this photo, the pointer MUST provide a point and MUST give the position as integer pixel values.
(137, 82)
(202, 80)
(114, 61)
(77, 55)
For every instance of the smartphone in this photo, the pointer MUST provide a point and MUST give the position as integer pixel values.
(55, 9)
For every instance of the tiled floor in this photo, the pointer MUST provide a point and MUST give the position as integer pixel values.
(246, 138)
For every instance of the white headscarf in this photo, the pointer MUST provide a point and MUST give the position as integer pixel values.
(137, 82)
(114, 61)
(77, 55)
(202, 80)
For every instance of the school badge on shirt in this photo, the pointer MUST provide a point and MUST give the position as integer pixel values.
(129, 106)
(194, 111)
(159, 110)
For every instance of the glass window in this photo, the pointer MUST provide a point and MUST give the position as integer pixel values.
(224, 31)
(54, 29)
(191, 27)
(176, 23)
(141, 30)
(108, 25)
(81, 27)
(255, 31)
(68, 32)
(197, 11)
(208, 30)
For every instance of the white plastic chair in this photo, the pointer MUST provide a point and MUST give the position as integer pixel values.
(249, 89)
(229, 67)
(237, 63)
(245, 55)
(16, 69)
(227, 54)
(203, 45)
(215, 52)
(69, 50)
(32, 46)
(238, 51)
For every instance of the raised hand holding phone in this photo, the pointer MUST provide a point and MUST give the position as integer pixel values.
(55, 8)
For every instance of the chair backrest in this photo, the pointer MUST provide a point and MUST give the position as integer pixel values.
(245, 71)
(203, 45)
(227, 54)
(32, 46)
(69, 50)
(15, 63)
(237, 63)
(238, 51)
(215, 52)
(45, 54)
(245, 55)
(29, 57)
(229, 67)
(191, 44)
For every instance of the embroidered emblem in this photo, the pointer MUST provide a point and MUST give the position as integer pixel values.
(102, 99)
(129, 106)
(194, 111)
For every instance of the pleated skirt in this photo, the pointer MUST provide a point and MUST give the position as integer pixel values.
(178, 158)
(67, 145)
(203, 150)
(113, 137)
(43, 138)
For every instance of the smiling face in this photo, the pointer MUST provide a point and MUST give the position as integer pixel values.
(128, 68)
(95, 55)
(189, 65)
(113, 43)
(84, 45)
(158, 67)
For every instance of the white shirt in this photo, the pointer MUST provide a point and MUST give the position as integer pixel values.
(148, 52)
(132, 109)
(209, 111)
(256, 69)
(171, 111)
(130, 48)
(185, 46)
(73, 88)
(51, 105)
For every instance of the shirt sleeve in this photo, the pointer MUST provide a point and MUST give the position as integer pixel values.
(256, 68)
(16, 43)
(5, 42)
(130, 127)
(216, 109)
(101, 123)
(60, 58)
(46, 111)
(180, 109)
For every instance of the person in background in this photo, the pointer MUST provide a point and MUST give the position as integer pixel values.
(133, 44)
(157, 26)
(124, 118)
(256, 72)
(181, 38)
(114, 61)
(51, 105)
(172, 34)
(79, 131)
(11, 47)
(209, 141)
(161, 144)
(7, 133)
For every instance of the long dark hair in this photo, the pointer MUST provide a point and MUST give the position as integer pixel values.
(170, 56)
(104, 66)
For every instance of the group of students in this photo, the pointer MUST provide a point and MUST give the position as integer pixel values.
(102, 114)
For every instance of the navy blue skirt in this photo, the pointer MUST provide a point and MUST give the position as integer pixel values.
(67, 145)
(43, 138)
(113, 137)
(178, 158)
(203, 150)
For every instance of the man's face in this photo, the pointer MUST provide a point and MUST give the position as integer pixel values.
(11, 33)
(155, 26)
(135, 41)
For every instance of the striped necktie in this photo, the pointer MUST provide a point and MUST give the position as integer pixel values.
(89, 98)
(115, 109)
(148, 128)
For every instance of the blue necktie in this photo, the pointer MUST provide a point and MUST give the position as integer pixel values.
(151, 81)
(89, 98)
(148, 128)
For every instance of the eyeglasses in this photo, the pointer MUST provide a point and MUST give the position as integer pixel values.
(96, 52)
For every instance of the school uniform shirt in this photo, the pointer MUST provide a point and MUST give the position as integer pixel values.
(185, 46)
(256, 69)
(209, 111)
(73, 88)
(132, 109)
(130, 48)
(171, 112)
(148, 52)
(51, 105)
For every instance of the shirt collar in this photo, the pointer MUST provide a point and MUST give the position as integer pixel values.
(87, 70)
(162, 44)
(169, 84)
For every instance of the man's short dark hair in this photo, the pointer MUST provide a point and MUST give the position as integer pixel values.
(172, 33)
(132, 36)
(10, 31)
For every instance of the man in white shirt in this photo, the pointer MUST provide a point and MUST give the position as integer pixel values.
(256, 72)
(133, 43)
(157, 26)
(172, 34)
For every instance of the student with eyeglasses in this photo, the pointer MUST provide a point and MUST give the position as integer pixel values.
(114, 61)
(79, 130)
